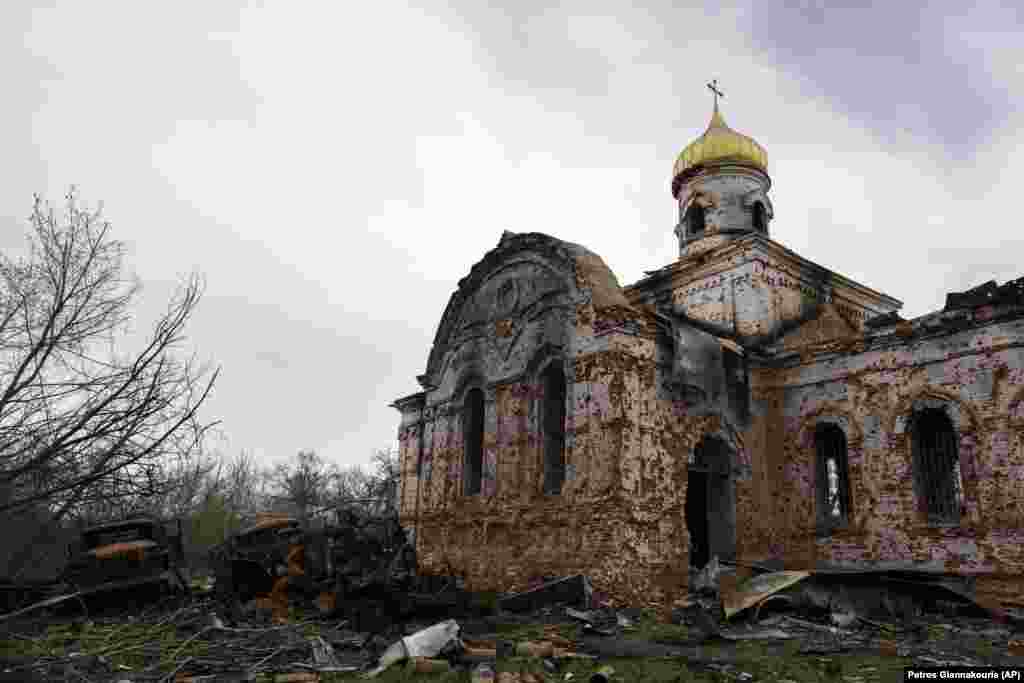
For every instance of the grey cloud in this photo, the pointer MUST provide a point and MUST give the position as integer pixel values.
(890, 67)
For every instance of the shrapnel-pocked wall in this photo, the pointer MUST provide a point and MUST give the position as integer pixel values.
(712, 408)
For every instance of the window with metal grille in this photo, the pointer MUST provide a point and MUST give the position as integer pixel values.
(473, 440)
(833, 476)
(937, 466)
(553, 417)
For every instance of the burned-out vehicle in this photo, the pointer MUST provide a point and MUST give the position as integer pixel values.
(349, 556)
(132, 552)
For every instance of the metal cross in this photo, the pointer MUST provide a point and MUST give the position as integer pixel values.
(718, 93)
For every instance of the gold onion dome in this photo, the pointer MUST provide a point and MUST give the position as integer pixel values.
(719, 143)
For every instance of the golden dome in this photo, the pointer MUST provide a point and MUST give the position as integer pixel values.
(719, 143)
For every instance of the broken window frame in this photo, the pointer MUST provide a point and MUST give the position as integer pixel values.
(831, 445)
(940, 495)
(552, 416)
(473, 410)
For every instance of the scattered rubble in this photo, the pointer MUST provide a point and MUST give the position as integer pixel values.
(424, 644)
(572, 590)
(811, 614)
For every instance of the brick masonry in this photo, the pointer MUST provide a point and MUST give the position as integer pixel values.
(646, 384)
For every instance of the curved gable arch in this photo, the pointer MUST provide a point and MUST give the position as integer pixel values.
(580, 274)
(755, 196)
(470, 377)
(964, 421)
(961, 414)
(830, 413)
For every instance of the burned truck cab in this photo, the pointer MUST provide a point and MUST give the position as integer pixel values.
(135, 551)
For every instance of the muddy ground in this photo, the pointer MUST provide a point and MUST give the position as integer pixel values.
(198, 639)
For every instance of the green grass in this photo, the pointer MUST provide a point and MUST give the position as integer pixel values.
(752, 659)
(648, 627)
(125, 644)
(138, 645)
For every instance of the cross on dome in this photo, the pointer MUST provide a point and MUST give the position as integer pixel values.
(713, 87)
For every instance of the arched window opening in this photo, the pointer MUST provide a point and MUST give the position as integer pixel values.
(736, 383)
(833, 476)
(473, 440)
(695, 219)
(553, 426)
(937, 466)
(760, 217)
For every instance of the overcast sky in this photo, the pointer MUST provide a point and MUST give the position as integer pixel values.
(335, 168)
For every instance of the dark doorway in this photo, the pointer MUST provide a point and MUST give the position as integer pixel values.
(697, 517)
(711, 503)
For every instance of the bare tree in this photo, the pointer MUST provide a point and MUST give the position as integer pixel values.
(81, 423)
(245, 484)
(301, 485)
(384, 480)
(348, 484)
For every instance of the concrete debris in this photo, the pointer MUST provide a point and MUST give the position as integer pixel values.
(426, 643)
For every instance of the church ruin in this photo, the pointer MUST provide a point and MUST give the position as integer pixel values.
(741, 402)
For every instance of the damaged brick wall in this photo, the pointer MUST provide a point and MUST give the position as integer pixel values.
(512, 531)
(872, 387)
(646, 383)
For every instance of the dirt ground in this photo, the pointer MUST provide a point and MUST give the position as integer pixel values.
(197, 639)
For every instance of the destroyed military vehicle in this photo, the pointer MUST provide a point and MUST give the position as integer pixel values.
(352, 557)
(132, 552)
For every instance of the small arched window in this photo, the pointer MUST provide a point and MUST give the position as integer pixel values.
(695, 217)
(937, 466)
(833, 476)
(553, 427)
(473, 440)
(760, 217)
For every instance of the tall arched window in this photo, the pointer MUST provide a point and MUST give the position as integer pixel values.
(833, 476)
(473, 440)
(553, 426)
(760, 217)
(695, 219)
(937, 466)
